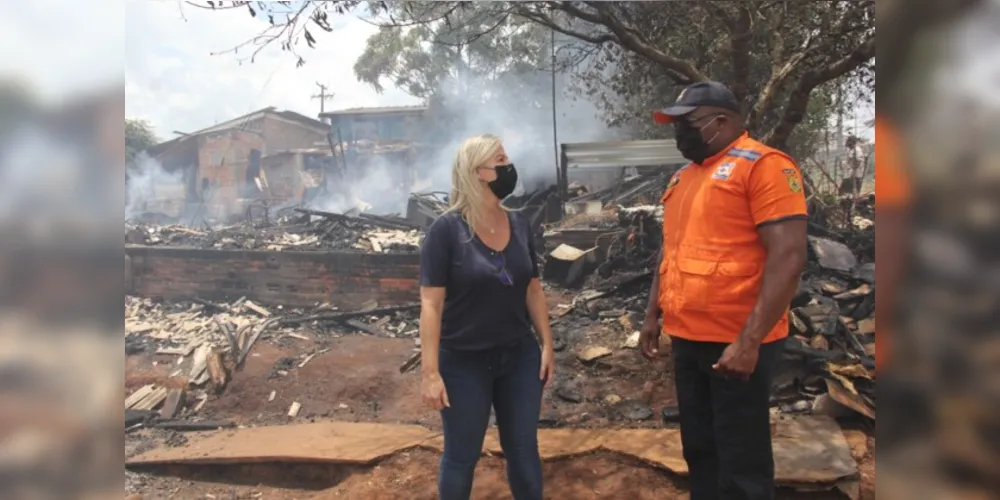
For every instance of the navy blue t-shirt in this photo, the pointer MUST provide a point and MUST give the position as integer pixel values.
(483, 308)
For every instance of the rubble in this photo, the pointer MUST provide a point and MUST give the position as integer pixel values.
(183, 327)
(829, 356)
(303, 230)
(212, 340)
(645, 188)
(424, 208)
(568, 265)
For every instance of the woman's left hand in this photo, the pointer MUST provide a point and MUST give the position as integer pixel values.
(548, 365)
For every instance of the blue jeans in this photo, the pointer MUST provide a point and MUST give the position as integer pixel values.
(505, 378)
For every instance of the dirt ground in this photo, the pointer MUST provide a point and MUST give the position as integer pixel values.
(358, 379)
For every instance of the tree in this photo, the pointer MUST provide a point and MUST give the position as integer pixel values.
(775, 54)
(139, 136)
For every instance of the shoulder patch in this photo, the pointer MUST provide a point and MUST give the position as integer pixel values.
(746, 154)
(676, 177)
(794, 185)
(673, 180)
(724, 171)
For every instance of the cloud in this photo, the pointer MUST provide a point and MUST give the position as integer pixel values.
(173, 81)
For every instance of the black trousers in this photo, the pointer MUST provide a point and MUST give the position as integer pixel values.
(725, 423)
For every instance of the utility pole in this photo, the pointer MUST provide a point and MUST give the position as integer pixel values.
(322, 96)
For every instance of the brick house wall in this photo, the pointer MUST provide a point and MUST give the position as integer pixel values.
(283, 175)
(223, 157)
(222, 161)
(284, 134)
(344, 279)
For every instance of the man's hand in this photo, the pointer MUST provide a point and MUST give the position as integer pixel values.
(548, 368)
(433, 392)
(649, 338)
(739, 360)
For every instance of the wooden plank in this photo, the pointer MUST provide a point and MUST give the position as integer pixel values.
(216, 371)
(173, 403)
(153, 400)
(199, 364)
(257, 309)
(138, 396)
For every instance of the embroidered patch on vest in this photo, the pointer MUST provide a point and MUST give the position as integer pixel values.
(793, 181)
(676, 177)
(673, 180)
(723, 172)
(744, 153)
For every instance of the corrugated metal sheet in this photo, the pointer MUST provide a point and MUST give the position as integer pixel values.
(622, 154)
(375, 111)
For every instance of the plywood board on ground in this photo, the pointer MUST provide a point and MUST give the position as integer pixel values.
(808, 450)
(343, 442)
(552, 443)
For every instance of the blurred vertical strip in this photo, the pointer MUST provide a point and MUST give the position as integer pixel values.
(938, 251)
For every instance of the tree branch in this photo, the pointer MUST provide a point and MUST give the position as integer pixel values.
(784, 67)
(798, 101)
(628, 39)
(720, 13)
(547, 21)
(739, 44)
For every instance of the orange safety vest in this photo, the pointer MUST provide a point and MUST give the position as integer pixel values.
(713, 259)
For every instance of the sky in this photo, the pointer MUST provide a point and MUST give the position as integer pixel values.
(173, 80)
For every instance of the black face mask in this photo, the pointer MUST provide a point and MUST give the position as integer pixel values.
(690, 142)
(505, 182)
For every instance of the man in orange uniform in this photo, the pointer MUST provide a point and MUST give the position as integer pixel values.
(734, 245)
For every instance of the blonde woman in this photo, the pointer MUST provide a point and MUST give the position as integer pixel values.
(480, 300)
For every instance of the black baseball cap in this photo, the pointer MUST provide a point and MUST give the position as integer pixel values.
(695, 96)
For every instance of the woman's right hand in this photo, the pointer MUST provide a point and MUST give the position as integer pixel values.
(433, 391)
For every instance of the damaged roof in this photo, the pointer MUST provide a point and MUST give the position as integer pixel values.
(388, 110)
(241, 121)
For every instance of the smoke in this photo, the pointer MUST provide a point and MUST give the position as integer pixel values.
(151, 188)
(376, 187)
(517, 107)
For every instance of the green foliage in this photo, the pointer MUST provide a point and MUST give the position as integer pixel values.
(139, 136)
(777, 55)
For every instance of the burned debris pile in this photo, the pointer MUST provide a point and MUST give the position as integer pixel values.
(298, 229)
(644, 188)
(832, 332)
(829, 359)
(424, 208)
(179, 328)
(208, 341)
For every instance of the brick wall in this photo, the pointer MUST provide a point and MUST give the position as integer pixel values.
(344, 279)
(223, 160)
(283, 135)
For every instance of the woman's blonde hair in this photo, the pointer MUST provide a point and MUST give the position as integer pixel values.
(466, 191)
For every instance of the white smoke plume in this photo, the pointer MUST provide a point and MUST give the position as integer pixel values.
(151, 188)
(516, 108)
